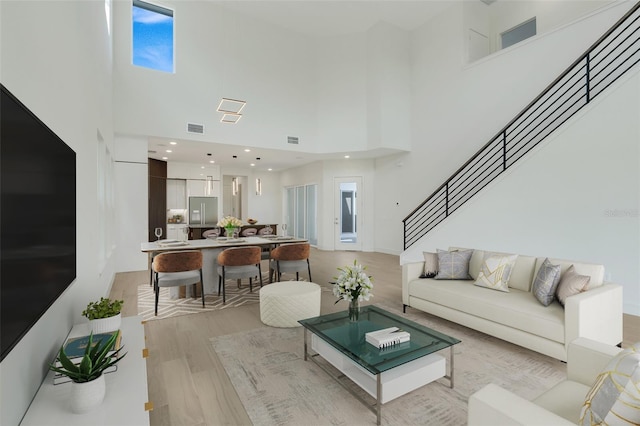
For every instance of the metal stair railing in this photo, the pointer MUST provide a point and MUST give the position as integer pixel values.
(608, 59)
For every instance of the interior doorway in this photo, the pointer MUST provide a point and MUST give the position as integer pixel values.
(233, 195)
(347, 218)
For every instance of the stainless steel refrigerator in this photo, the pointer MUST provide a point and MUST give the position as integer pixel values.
(203, 210)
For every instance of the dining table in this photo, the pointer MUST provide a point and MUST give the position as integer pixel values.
(210, 248)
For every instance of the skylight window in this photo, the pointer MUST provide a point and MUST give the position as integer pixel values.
(152, 36)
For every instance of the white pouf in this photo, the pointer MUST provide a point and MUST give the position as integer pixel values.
(282, 304)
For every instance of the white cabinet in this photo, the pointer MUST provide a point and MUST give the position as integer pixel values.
(203, 188)
(216, 189)
(126, 400)
(177, 170)
(196, 188)
(176, 194)
(176, 232)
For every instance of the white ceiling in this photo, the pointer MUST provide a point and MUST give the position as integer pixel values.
(320, 18)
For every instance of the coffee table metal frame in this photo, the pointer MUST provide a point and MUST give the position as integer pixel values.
(331, 329)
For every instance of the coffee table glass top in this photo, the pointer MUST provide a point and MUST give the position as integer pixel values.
(349, 338)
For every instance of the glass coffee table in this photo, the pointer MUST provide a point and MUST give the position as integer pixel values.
(387, 373)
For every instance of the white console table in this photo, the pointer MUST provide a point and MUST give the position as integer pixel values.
(126, 399)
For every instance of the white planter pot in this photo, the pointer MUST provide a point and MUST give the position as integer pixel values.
(105, 325)
(88, 395)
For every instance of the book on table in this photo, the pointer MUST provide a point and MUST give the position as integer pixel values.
(387, 337)
(74, 348)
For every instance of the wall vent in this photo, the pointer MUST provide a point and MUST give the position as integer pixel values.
(195, 128)
(293, 139)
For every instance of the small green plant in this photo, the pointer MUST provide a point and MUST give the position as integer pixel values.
(104, 308)
(94, 361)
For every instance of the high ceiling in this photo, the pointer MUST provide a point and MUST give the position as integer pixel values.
(321, 18)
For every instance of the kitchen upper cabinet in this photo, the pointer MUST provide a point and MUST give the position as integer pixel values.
(196, 188)
(176, 194)
(177, 170)
(203, 188)
(215, 189)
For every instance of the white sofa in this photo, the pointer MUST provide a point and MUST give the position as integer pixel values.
(561, 405)
(517, 316)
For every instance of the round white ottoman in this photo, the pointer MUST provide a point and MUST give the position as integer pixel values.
(282, 304)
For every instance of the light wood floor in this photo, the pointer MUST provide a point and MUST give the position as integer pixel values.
(187, 383)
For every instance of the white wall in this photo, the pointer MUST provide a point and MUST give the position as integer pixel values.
(55, 57)
(323, 173)
(266, 208)
(576, 197)
(457, 108)
(131, 176)
(218, 54)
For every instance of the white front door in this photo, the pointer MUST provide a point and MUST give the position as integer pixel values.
(347, 218)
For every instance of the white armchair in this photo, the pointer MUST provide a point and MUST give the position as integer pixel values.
(560, 405)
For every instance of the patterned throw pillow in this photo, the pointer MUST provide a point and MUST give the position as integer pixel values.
(430, 264)
(546, 282)
(614, 399)
(453, 265)
(496, 271)
(571, 283)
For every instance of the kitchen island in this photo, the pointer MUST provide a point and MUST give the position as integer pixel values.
(210, 249)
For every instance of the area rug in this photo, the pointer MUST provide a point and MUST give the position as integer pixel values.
(168, 307)
(277, 387)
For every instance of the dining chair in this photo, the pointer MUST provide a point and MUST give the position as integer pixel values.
(210, 233)
(289, 258)
(237, 263)
(177, 268)
(248, 232)
(267, 230)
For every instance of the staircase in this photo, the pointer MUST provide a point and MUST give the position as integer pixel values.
(608, 59)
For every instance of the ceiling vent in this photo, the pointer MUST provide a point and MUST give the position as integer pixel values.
(293, 140)
(195, 128)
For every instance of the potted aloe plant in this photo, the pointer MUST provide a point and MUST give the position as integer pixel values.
(87, 378)
(104, 315)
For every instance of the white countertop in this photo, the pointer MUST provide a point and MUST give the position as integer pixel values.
(207, 243)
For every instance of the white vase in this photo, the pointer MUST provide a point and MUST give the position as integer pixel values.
(88, 395)
(105, 325)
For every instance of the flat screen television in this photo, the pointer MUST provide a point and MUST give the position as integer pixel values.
(38, 219)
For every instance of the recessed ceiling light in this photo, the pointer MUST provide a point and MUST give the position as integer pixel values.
(173, 143)
(211, 161)
(247, 150)
(269, 170)
(165, 158)
(346, 156)
(202, 167)
(253, 164)
(168, 151)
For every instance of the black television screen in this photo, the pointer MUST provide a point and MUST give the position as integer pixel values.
(38, 219)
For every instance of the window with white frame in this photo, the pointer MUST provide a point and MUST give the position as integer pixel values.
(301, 212)
(152, 36)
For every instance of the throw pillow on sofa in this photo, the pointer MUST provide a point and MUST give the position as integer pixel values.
(546, 282)
(571, 283)
(496, 271)
(614, 399)
(453, 265)
(430, 264)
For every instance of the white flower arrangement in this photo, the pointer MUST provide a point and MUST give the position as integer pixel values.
(352, 283)
(229, 222)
